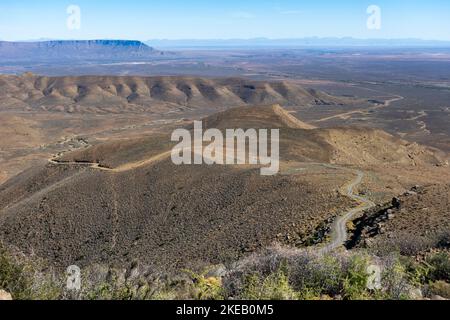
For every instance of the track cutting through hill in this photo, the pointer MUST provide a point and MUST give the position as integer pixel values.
(122, 168)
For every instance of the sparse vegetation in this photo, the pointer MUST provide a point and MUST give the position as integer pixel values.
(440, 288)
(22, 280)
(204, 287)
(295, 274)
(440, 266)
(276, 273)
(276, 286)
(356, 277)
(12, 276)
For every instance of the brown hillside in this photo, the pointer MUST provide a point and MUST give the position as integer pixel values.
(172, 216)
(137, 94)
(299, 141)
(273, 116)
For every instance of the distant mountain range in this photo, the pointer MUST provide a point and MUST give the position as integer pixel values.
(59, 50)
(300, 42)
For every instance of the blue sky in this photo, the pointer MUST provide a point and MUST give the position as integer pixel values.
(203, 19)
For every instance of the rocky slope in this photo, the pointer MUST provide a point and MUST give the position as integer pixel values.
(413, 222)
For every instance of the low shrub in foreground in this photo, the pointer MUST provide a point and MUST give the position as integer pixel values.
(276, 273)
(22, 280)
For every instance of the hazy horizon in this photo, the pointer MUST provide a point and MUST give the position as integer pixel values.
(229, 39)
(280, 43)
(199, 19)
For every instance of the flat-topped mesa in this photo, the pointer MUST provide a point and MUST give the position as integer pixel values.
(95, 42)
(75, 49)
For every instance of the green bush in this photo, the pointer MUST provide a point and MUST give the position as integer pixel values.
(274, 287)
(12, 277)
(395, 280)
(440, 288)
(322, 275)
(440, 264)
(107, 291)
(310, 294)
(205, 288)
(418, 272)
(355, 281)
(23, 281)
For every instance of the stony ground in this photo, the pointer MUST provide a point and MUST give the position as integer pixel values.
(417, 220)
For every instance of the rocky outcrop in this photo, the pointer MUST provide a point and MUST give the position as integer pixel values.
(5, 295)
(372, 222)
(414, 221)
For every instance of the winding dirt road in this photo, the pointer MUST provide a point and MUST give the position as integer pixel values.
(339, 227)
(348, 114)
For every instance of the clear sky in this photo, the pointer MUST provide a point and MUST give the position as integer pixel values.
(203, 19)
